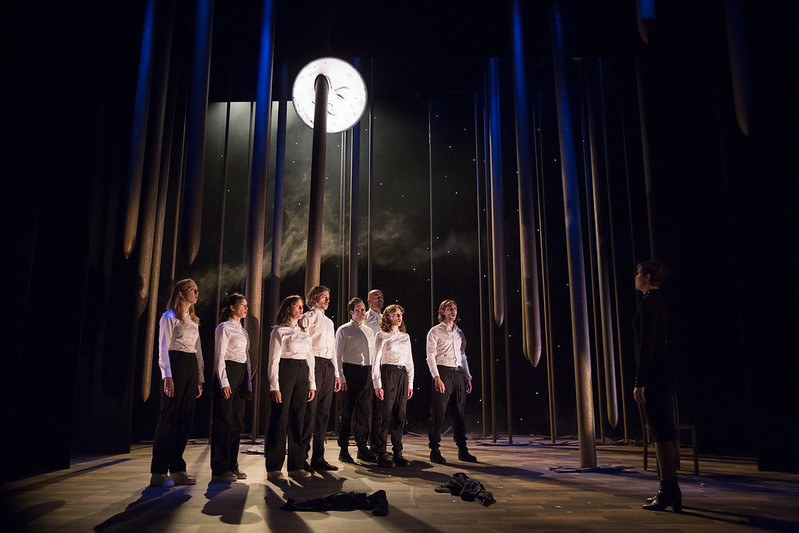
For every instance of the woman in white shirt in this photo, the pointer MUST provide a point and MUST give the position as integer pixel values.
(292, 386)
(232, 370)
(180, 359)
(392, 377)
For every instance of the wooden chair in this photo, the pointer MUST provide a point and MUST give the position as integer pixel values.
(681, 427)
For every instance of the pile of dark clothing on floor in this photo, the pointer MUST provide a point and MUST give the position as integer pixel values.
(467, 488)
(343, 501)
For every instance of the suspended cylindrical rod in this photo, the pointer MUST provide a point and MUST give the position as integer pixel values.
(152, 165)
(141, 111)
(430, 205)
(195, 142)
(313, 262)
(739, 48)
(497, 226)
(480, 283)
(571, 199)
(489, 268)
(355, 205)
(603, 250)
(256, 220)
(531, 312)
(158, 243)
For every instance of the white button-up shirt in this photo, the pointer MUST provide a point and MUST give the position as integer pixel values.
(372, 320)
(446, 347)
(354, 344)
(179, 336)
(289, 342)
(323, 335)
(232, 344)
(392, 348)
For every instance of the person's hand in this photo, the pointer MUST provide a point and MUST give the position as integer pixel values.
(199, 390)
(440, 387)
(226, 392)
(276, 397)
(344, 387)
(311, 394)
(468, 386)
(379, 394)
(638, 394)
(410, 393)
(169, 387)
(336, 385)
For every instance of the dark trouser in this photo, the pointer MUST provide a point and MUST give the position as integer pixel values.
(454, 388)
(358, 401)
(392, 407)
(318, 413)
(287, 418)
(228, 420)
(176, 416)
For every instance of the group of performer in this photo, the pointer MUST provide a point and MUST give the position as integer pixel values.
(368, 358)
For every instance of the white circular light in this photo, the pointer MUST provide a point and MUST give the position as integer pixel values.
(346, 100)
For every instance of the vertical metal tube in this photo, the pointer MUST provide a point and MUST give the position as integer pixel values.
(343, 270)
(480, 283)
(531, 311)
(738, 47)
(370, 176)
(489, 267)
(313, 262)
(152, 160)
(273, 299)
(355, 204)
(158, 243)
(645, 156)
(430, 204)
(497, 227)
(195, 142)
(256, 220)
(141, 111)
(547, 314)
(582, 354)
(603, 250)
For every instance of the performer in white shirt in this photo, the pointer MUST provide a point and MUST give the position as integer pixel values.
(180, 358)
(392, 378)
(317, 416)
(374, 314)
(355, 343)
(292, 385)
(234, 388)
(446, 359)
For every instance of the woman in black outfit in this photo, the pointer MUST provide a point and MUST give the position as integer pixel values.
(655, 380)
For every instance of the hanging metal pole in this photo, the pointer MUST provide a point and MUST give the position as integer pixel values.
(258, 191)
(141, 111)
(577, 294)
(430, 204)
(480, 283)
(531, 311)
(313, 262)
(497, 226)
(370, 189)
(547, 314)
(355, 206)
(489, 268)
(195, 143)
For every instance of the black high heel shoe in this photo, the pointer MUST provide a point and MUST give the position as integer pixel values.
(669, 495)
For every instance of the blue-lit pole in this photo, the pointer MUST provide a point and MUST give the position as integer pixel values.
(574, 241)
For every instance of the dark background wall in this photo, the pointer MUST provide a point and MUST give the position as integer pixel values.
(722, 207)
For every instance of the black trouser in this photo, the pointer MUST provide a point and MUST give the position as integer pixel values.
(228, 420)
(358, 401)
(392, 408)
(318, 413)
(287, 418)
(454, 388)
(176, 416)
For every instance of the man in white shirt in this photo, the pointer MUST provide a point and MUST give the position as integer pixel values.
(323, 336)
(355, 344)
(373, 316)
(446, 359)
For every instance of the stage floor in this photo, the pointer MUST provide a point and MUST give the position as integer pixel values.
(110, 493)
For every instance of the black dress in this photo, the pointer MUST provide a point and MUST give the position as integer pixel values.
(656, 367)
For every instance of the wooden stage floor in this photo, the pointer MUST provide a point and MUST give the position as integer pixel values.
(110, 493)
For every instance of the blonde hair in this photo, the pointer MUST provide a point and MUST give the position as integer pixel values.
(176, 302)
